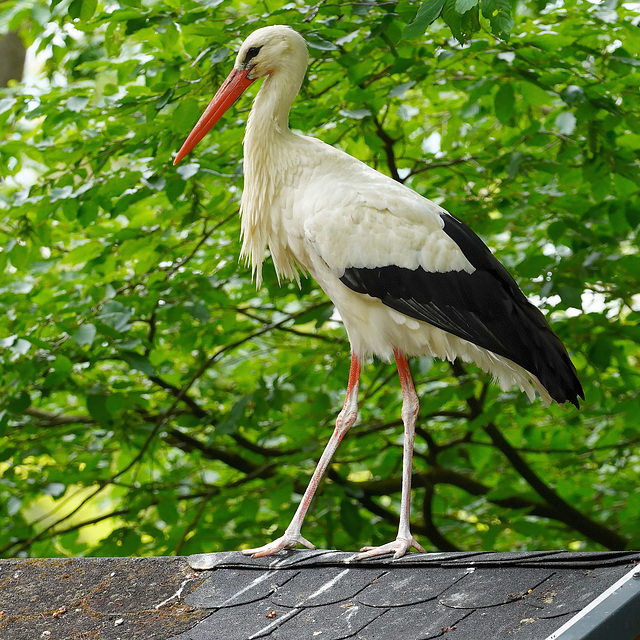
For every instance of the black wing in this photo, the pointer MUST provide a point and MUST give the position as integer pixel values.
(485, 307)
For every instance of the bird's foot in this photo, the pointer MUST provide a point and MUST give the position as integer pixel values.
(398, 547)
(287, 541)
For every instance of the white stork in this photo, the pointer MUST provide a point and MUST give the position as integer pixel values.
(407, 277)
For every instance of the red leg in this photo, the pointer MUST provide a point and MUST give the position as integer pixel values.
(345, 420)
(410, 407)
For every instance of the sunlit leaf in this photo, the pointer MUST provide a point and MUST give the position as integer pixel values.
(462, 6)
(429, 10)
(85, 334)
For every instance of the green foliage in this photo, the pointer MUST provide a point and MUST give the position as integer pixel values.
(154, 402)
(463, 17)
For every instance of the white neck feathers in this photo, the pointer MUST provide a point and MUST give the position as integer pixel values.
(268, 158)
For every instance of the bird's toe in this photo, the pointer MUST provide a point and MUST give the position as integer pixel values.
(279, 544)
(398, 548)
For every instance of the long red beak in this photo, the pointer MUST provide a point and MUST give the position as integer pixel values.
(231, 89)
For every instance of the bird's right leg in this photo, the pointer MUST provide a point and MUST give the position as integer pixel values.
(410, 407)
(345, 420)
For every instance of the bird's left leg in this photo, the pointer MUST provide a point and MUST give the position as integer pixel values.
(345, 420)
(410, 406)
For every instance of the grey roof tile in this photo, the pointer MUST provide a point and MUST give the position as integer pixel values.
(231, 587)
(305, 595)
(412, 559)
(513, 621)
(408, 586)
(329, 622)
(590, 558)
(504, 558)
(319, 557)
(571, 590)
(315, 557)
(244, 622)
(491, 587)
(204, 561)
(332, 584)
(417, 622)
(322, 557)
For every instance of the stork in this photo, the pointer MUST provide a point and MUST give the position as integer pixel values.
(407, 277)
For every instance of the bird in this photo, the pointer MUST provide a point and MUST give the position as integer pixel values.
(407, 278)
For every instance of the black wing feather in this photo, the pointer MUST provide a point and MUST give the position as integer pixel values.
(485, 307)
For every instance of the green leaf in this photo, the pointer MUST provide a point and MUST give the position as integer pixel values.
(356, 114)
(504, 104)
(491, 7)
(168, 512)
(113, 39)
(499, 14)
(502, 24)
(19, 403)
(199, 311)
(601, 350)
(351, 519)
(60, 370)
(572, 296)
(165, 98)
(115, 315)
(572, 94)
(427, 13)
(75, 9)
(566, 123)
(97, 407)
(230, 422)
(85, 334)
(462, 6)
(219, 55)
(462, 25)
(321, 44)
(138, 362)
(88, 9)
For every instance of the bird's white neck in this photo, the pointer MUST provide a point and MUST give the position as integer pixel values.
(269, 154)
(270, 112)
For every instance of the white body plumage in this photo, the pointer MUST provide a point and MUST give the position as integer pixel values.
(321, 210)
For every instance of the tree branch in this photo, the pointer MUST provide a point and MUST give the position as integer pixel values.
(57, 419)
(387, 145)
(436, 538)
(188, 443)
(441, 165)
(563, 510)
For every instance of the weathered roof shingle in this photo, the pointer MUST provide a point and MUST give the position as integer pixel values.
(304, 595)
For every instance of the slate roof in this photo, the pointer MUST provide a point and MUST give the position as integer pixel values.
(304, 595)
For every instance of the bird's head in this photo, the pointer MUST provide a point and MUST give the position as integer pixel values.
(267, 51)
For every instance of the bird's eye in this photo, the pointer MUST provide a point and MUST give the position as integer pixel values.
(251, 53)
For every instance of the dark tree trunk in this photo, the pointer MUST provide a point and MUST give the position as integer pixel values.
(12, 54)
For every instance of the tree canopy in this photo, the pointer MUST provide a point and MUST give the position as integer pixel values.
(154, 402)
